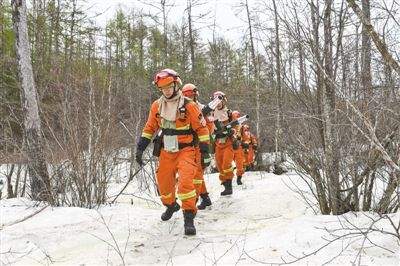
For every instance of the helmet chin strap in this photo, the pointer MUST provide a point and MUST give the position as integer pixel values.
(175, 92)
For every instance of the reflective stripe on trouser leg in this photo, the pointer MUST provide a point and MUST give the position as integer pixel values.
(166, 177)
(198, 181)
(200, 187)
(185, 196)
(226, 158)
(239, 161)
(251, 155)
(197, 185)
(219, 156)
(200, 171)
(187, 170)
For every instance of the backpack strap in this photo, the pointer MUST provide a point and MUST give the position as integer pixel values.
(182, 113)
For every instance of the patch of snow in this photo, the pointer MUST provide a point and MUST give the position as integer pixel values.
(263, 221)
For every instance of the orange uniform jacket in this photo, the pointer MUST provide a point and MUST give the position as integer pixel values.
(191, 119)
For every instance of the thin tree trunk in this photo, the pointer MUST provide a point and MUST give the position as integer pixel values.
(255, 71)
(24, 186)
(278, 85)
(329, 106)
(315, 19)
(2, 35)
(303, 83)
(366, 83)
(394, 183)
(58, 29)
(92, 178)
(165, 30)
(191, 39)
(142, 37)
(368, 192)
(356, 67)
(68, 53)
(40, 181)
(17, 180)
(10, 193)
(366, 79)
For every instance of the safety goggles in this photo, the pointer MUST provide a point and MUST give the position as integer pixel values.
(194, 92)
(165, 78)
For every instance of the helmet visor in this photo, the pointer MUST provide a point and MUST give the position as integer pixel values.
(165, 78)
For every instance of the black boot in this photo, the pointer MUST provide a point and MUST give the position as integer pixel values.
(205, 201)
(228, 188)
(174, 207)
(239, 180)
(190, 230)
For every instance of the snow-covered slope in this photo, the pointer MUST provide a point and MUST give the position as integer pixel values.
(263, 221)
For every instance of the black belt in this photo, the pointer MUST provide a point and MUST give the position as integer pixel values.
(184, 145)
(176, 132)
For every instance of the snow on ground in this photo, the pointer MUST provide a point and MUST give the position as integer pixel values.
(263, 221)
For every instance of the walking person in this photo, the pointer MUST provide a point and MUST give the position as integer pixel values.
(177, 121)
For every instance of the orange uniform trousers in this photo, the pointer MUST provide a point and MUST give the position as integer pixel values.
(224, 158)
(198, 180)
(251, 155)
(246, 158)
(238, 157)
(184, 164)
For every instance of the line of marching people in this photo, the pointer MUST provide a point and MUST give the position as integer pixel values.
(184, 132)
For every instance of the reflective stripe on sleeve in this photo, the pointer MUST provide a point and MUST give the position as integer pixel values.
(147, 135)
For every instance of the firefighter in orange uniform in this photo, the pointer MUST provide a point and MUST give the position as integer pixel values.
(249, 144)
(252, 150)
(223, 144)
(238, 153)
(246, 141)
(177, 120)
(189, 90)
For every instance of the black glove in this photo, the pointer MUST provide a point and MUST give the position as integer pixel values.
(245, 145)
(205, 159)
(236, 144)
(141, 147)
(143, 143)
(230, 132)
(138, 157)
(219, 135)
(206, 110)
(224, 134)
(205, 155)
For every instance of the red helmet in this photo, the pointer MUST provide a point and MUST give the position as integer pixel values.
(166, 77)
(189, 90)
(235, 115)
